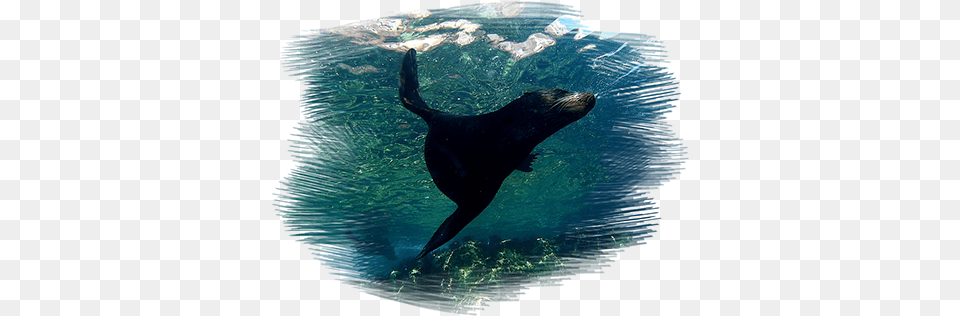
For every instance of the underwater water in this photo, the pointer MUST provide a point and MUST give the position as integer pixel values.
(361, 195)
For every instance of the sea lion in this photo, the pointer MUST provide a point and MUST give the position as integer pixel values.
(469, 156)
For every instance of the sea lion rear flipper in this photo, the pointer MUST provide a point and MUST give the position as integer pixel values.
(525, 165)
(410, 86)
(450, 227)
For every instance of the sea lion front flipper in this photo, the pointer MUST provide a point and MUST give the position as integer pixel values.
(410, 87)
(450, 227)
(525, 165)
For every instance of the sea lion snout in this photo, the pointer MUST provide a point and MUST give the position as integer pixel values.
(580, 103)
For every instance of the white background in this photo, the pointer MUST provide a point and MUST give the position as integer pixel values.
(141, 145)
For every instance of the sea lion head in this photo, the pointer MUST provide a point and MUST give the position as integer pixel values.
(575, 104)
(555, 106)
(559, 103)
(536, 115)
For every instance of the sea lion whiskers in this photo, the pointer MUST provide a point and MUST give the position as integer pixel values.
(574, 102)
(564, 102)
(558, 105)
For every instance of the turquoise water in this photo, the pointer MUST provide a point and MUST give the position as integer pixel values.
(361, 193)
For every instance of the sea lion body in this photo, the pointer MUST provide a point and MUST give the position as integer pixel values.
(469, 156)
